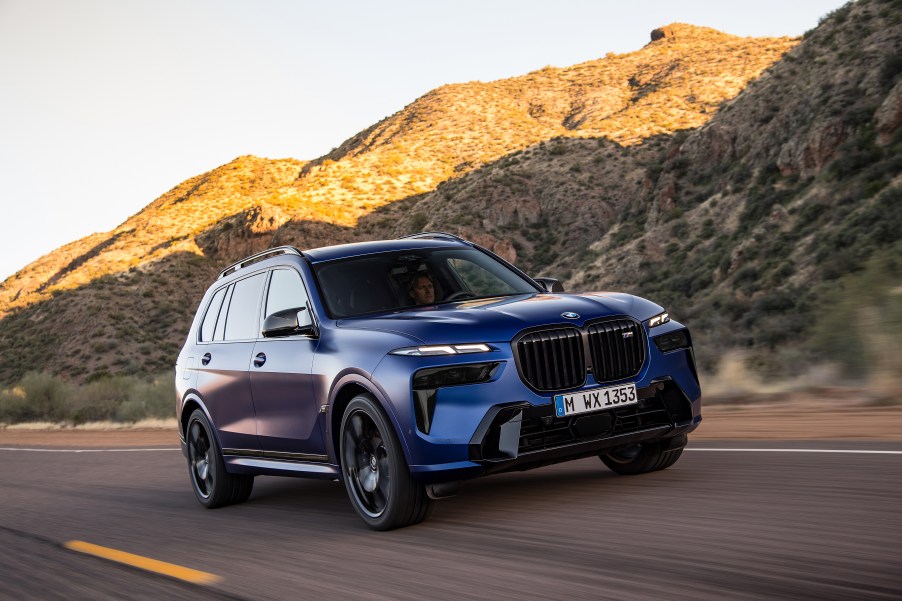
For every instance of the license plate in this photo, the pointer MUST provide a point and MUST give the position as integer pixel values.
(595, 399)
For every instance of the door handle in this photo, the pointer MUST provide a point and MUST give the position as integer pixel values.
(259, 360)
(206, 359)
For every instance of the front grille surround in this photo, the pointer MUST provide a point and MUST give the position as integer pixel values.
(617, 347)
(560, 357)
(552, 358)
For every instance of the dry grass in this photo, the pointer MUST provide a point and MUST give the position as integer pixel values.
(734, 379)
(144, 424)
(735, 383)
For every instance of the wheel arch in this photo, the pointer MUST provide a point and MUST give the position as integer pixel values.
(343, 392)
(189, 405)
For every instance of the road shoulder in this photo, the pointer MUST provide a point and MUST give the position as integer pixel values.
(809, 420)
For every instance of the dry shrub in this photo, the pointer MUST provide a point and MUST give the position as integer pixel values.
(38, 397)
(736, 381)
(48, 399)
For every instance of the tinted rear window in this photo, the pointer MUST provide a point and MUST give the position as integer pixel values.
(209, 323)
(244, 309)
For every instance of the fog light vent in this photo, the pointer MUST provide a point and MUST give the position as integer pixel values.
(673, 341)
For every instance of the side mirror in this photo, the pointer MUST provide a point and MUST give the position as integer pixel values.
(550, 284)
(304, 319)
(289, 322)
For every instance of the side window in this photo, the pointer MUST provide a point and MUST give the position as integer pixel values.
(480, 281)
(220, 323)
(241, 321)
(209, 323)
(286, 291)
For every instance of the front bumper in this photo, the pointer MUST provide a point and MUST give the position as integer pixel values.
(503, 425)
(521, 436)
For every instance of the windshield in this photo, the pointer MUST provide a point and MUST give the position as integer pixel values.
(404, 279)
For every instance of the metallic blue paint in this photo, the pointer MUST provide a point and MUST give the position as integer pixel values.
(288, 406)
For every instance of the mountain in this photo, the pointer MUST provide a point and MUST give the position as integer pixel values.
(774, 227)
(701, 169)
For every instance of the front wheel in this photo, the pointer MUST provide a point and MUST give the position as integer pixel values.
(213, 486)
(644, 457)
(376, 475)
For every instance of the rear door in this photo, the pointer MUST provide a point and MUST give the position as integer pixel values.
(288, 419)
(223, 380)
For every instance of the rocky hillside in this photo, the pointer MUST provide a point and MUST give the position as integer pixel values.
(700, 169)
(673, 83)
(753, 222)
(750, 227)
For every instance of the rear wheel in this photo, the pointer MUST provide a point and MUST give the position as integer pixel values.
(642, 458)
(375, 473)
(213, 486)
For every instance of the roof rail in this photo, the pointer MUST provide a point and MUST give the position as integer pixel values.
(260, 256)
(428, 235)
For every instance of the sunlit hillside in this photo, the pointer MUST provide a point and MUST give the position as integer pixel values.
(741, 181)
(673, 83)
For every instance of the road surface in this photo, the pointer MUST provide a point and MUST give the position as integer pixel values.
(728, 521)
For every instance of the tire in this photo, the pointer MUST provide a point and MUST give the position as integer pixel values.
(645, 457)
(375, 472)
(212, 484)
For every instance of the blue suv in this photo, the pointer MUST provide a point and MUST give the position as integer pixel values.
(403, 367)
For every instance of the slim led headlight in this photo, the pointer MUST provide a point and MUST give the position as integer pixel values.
(658, 320)
(442, 349)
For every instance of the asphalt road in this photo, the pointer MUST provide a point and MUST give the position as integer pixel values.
(718, 525)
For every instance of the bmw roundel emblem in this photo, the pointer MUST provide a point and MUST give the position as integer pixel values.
(570, 315)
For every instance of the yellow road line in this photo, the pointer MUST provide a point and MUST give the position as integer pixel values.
(145, 563)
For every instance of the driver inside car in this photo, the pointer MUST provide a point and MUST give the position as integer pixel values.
(422, 289)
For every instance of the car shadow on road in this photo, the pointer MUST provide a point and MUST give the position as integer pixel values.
(585, 481)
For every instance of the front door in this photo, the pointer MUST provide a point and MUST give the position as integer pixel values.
(288, 420)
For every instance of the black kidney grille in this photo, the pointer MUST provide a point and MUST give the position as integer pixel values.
(552, 359)
(618, 349)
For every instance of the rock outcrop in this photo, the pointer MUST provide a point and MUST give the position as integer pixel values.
(888, 117)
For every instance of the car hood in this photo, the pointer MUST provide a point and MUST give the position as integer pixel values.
(500, 319)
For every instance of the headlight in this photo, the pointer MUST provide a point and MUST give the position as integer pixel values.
(658, 320)
(445, 349)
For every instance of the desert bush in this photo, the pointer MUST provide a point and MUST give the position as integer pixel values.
(100, 399)
(891, 67)
(558, 149)
(155, 398)
(418, 221)
(42, 397)
(12, 404)
(38, 397)
(861, 328)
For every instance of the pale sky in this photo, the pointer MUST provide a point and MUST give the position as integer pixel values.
(107, 104)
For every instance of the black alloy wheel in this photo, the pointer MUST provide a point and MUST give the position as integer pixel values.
(375, 472)
(367, 463)
(642, 458)
(199, 460)
(213, 485)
